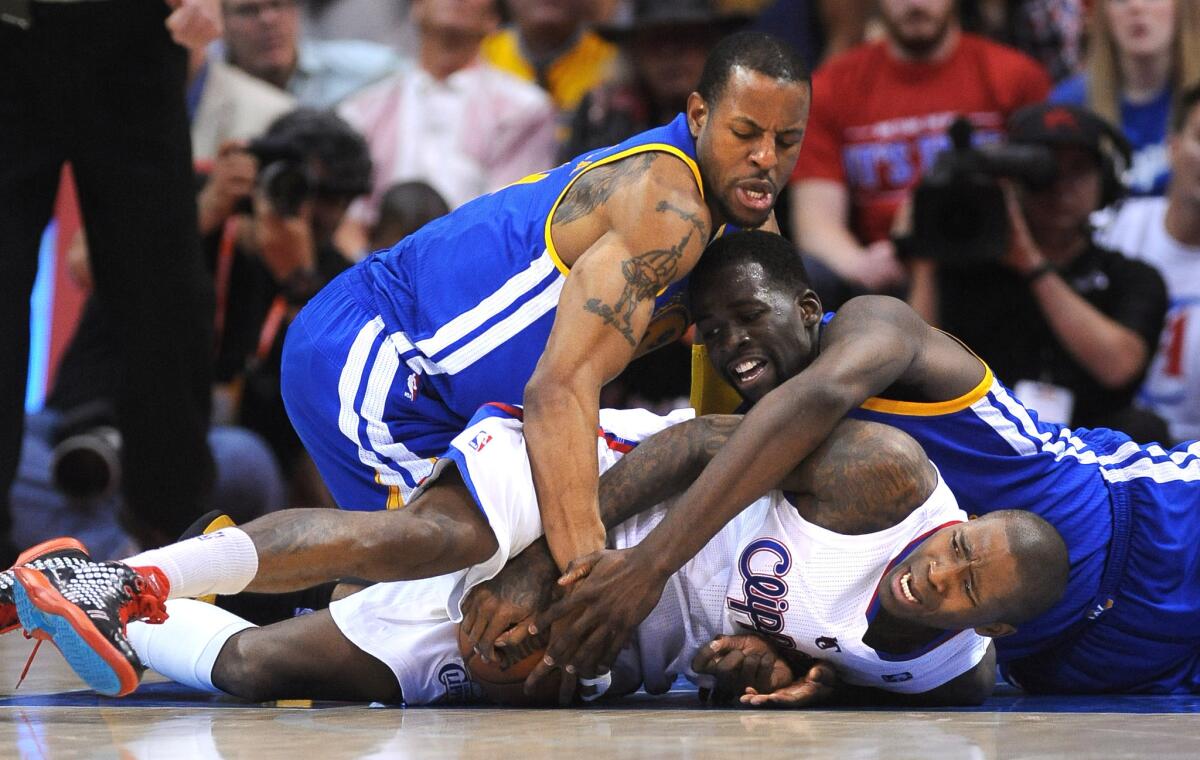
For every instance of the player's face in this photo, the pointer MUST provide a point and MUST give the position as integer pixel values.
(917, 26)
(961, 577)
(757, 335)
(747, 143)
(1142, 28)
(1185, 162)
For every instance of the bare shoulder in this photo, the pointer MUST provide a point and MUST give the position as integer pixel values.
(632, 186)
(866, 477)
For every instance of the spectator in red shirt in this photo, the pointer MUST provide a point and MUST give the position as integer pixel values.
(879, 117)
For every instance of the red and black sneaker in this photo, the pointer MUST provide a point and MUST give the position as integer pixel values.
(57, 552)
(84, 608)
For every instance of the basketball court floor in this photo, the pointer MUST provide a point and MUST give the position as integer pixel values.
(50, 716)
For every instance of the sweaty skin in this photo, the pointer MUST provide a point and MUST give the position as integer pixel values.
(874, 346)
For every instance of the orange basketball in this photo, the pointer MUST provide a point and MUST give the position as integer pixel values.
(506, 686)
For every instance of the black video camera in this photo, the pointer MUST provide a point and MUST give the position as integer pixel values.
(283, 174)
(959, 214)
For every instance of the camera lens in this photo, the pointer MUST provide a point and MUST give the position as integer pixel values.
(87, 466)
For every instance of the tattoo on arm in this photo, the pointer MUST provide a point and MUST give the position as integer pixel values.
(865, 477)
(646, 274)
(662, 466)
(596, 186)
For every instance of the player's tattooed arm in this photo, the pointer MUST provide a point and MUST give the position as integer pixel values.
(596, 186)
(864, 478)
(662, 466)
(647, 273)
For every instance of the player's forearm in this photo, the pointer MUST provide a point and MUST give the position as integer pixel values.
(560, 434)
(781, 429)
(662, 466)
(1110, 352)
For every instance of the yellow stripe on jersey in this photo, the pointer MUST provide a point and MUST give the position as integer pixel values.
(394, 499)
(663, 147)
(710, 393)
(934, 408)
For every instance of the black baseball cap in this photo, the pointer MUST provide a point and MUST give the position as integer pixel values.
(1055, 124)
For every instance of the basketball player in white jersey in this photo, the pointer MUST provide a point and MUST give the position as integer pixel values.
(867, 554)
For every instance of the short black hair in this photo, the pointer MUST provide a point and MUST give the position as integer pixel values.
(1189, 98)
(341, 151)
(755, 51)
(410, 206)
(779, 259)
(1042, 563)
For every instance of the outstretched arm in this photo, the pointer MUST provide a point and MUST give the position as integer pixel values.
(656, 227)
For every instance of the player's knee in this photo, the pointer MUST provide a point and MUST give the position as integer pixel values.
(245, 669)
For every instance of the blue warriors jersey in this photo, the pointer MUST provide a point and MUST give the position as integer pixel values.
(470, 298)
(995, 454)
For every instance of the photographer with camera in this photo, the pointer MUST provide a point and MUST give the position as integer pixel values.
(269, 211)
(1008, 265)
(879, 118)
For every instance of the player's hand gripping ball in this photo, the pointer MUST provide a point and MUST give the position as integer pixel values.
(506, 685)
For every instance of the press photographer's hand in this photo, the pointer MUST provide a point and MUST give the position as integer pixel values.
(230, 181)
(1024, 255)
(285, 243)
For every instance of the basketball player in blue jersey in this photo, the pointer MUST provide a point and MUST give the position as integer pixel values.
(539, 294)
(1129, 620)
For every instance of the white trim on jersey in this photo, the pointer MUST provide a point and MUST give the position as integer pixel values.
(379, 381)
(498, 301)
(1175, 469)
(497, 334)
(1129, 462)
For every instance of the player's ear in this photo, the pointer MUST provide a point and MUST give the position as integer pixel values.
(697, 113)
(810, 307)
(996, 630)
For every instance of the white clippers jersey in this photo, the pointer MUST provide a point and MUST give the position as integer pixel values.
(813, 590)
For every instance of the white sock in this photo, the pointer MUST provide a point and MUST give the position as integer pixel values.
(185, 647)
(223, 562)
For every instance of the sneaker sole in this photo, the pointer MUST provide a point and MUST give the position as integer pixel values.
(44, 613)
(36, 552)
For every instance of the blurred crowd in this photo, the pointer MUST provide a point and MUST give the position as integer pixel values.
(1025, 172)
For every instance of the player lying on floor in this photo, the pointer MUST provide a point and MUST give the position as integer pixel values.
(1129, 513)
(867, 542)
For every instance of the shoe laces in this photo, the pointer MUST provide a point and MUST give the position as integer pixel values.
(37, 643)
(147, 601)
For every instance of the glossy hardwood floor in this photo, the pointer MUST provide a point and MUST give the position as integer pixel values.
(50, 717)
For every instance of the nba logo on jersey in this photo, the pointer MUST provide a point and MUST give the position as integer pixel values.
(480, 440)
(413, 387)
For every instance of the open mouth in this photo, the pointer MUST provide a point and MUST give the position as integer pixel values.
(746, 371)
(904, 589)
(756, 195)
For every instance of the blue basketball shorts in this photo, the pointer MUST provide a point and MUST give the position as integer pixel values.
(346, 392)
(1149, 640)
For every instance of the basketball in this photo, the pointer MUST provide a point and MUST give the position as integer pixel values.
(506, 686)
